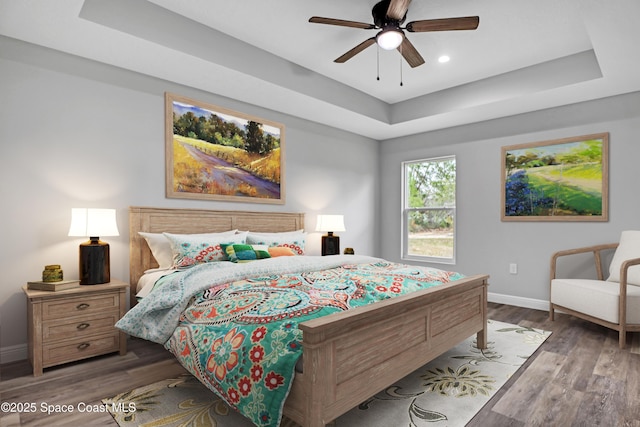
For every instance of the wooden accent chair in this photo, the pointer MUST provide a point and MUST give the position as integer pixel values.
(614, 302)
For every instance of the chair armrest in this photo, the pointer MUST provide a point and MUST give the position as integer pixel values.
(622, 309)
(625, 266)
(596, 249)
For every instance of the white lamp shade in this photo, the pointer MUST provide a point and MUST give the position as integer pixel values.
(330, 223)
(93, 222)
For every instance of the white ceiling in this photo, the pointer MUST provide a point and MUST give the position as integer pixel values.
(524, 56)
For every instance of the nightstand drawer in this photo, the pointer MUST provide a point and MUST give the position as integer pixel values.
(67, 307)
(79, 327)
(76, 349)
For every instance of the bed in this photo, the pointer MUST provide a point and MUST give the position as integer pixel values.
(347, 356)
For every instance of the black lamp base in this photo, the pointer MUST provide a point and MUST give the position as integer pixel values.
(94, 262)
(330, 244)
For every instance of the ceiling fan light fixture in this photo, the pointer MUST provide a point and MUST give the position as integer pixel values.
(390, 38)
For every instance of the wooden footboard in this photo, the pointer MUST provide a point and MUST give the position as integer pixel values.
(350, 356)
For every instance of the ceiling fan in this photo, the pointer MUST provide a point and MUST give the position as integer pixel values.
(388, 16)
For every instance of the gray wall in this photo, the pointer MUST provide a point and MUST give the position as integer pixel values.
(484, 243)
(76, 133)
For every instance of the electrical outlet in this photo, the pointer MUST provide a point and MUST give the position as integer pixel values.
(513, 268)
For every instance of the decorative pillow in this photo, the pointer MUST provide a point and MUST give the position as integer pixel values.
(628, 248)
(277, 251)
(161, 246)
(192, 249)
(245, 253)
(294, 240)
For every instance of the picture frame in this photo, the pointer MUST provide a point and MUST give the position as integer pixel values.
(214, 153)
(558, 180)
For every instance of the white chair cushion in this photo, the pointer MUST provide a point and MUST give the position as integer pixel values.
(628, 248)
(596, 298)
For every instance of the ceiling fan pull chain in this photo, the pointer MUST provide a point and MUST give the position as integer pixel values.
(401, 66)
(378, 62)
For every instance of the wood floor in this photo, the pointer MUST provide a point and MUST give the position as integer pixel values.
(578, 377)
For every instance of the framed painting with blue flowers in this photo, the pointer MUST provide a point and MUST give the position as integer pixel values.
(560, 180)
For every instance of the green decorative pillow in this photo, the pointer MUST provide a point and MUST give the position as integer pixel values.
(244, 253)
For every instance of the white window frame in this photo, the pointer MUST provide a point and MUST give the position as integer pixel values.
(406, 210)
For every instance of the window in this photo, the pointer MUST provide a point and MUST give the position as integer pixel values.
(429, 210)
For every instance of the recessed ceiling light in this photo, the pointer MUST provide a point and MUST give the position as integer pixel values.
(443, 59)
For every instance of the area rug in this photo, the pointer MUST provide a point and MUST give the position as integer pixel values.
(447, 391)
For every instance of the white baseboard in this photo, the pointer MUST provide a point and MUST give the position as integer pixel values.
(14, 353)
(535, 304)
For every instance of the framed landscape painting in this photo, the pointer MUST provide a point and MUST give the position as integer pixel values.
(213, 153)
(561, 180)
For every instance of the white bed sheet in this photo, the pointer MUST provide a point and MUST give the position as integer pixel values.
(149, 279)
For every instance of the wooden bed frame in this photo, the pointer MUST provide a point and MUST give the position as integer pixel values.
(348, 356)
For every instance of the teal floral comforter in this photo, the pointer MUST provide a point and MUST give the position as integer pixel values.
(237, 328)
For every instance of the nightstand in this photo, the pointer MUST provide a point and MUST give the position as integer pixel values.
(75, 324)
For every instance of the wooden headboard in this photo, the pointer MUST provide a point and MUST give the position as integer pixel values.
(158, 220)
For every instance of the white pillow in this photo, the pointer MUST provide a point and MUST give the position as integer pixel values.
(161, 246)
(278, 234)
(628, 248)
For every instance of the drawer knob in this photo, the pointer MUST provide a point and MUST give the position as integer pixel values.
(82, 306)
(82, 326)
(83, 346)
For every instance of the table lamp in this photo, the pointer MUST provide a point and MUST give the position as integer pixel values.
(330, 224)
(94, 265)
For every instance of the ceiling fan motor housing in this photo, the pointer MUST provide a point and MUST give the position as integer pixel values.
(380, 18)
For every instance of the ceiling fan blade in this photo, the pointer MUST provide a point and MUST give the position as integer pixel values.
(410, 54)
(341, 22)
(446, 24)
(398, 9)
(356, 50)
